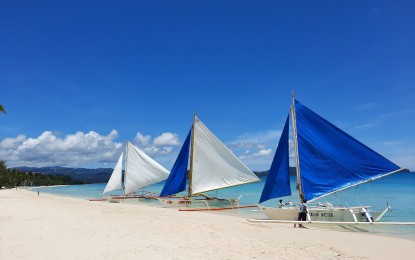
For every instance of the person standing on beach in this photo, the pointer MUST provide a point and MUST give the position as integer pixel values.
(302, 216)
(281, 204)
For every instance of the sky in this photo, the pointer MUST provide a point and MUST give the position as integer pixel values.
(79, 79)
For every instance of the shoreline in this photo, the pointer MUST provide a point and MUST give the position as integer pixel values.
(49, 226)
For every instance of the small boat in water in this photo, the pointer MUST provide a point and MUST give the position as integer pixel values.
(328, 161)
(212, 166)
(140, 171)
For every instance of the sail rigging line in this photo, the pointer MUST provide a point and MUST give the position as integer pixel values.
(366, 189)
(297, 157)
(362, 182)
(371, 195)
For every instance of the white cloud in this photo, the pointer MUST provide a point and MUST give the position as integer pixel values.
(256, 149)
(92, 149)
(264, 152)
(151, 150)
(141, 139)
(166, 139)
(166, 150)
(161, 145)
(258, 140)
(10, 143)
(49, 149)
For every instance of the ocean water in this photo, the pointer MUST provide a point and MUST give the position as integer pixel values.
(397, 190)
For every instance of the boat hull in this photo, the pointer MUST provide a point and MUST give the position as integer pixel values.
(197, 202)
(334, 214)
(120, 199)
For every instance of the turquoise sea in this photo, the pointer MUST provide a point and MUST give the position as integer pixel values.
(397, 190)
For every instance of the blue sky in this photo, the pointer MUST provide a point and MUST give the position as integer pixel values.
(80, 78)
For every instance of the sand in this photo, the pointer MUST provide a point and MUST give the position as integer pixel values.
(53, 227)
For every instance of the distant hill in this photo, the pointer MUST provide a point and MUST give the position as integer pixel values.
(99, 175)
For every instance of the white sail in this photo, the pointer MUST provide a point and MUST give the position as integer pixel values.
(141, 170)
(214, 165)
(115, 180)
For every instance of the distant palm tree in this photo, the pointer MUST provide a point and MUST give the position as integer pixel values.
(2, 109)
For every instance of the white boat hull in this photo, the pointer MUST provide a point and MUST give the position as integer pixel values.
(332, 214)
(120, 199)
(197, 202)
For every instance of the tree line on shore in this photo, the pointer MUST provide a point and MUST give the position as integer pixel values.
(10, 178)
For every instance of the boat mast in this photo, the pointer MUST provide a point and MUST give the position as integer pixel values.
(189, 191)
(297, 157)
(125, 168)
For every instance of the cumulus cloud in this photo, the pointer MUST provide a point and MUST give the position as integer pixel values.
(83, 149)
(142, 139)
(258, 140)
(254, 145)
(93, 149)
(257, 150)
(79, 149)
(153, 150)
(161, 145)
(50, 149)
(263, 152)
(166, 139)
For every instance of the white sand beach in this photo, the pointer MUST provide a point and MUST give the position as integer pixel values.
(52, 227)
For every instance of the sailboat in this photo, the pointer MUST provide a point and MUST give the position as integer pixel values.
(328, 161)
(212, 167)
(140, 171)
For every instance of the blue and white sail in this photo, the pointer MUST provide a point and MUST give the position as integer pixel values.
(327, 161)
(278, 181)
(330, 159)
(213, 165)
(176, 182)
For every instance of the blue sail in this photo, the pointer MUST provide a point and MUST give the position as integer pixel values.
(330, 159)
(177, 178)
(278, 180)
